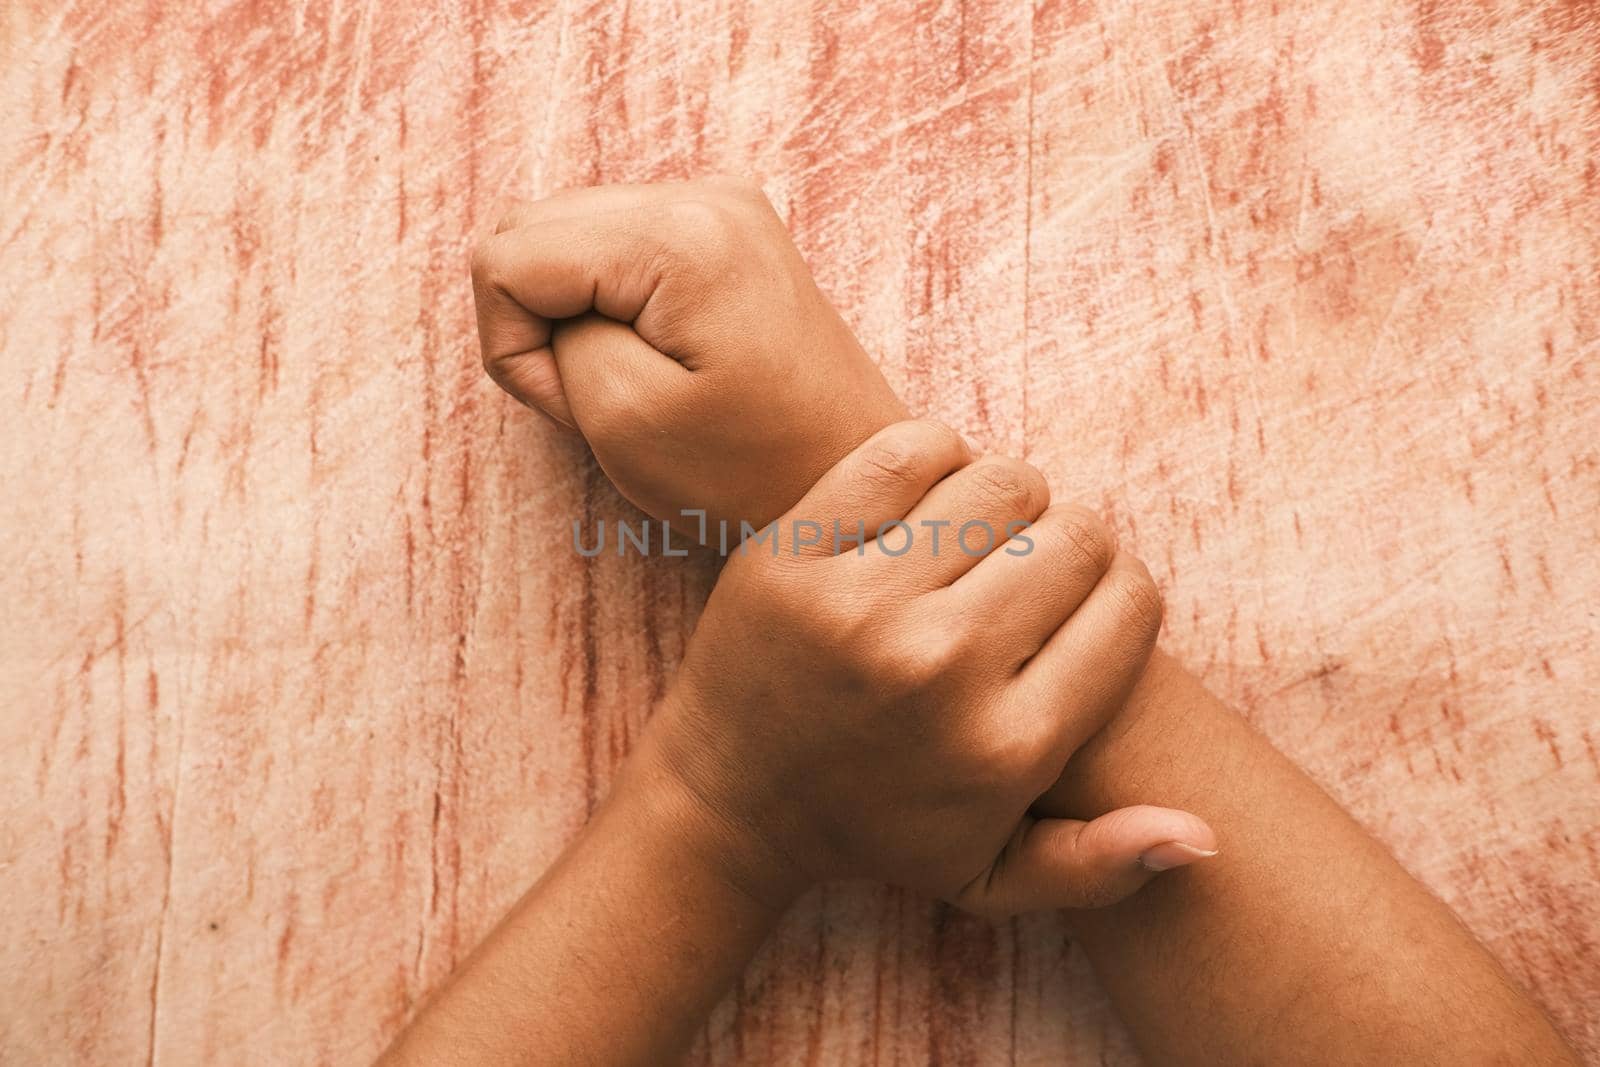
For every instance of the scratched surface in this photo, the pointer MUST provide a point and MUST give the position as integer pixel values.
(299, 688)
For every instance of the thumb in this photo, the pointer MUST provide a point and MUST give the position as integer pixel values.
(1067, 863)
(594, 373)
(614, 383)
(556, 260)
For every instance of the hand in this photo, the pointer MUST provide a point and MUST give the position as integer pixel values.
(1176, 741)
(678, 329)
(893, 716)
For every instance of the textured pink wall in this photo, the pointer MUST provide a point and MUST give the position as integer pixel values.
(299, 687)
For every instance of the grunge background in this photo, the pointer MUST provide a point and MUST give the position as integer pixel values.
(297, 694)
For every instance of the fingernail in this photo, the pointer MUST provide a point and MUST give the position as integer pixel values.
(1170, 854)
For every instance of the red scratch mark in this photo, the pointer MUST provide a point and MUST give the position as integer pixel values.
(1546, 733)
(1429, 50)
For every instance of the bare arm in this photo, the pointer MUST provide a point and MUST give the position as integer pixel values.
(615, 956)
(808, 691)
(1307, 943)
(1303, 942)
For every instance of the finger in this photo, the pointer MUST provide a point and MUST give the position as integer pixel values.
(614, 383)
(511, 218)
(609, 249)
(534, 379)
(1066, 863)
(613, 262)
(971, 514)
(515, 336)
(1087, 668)
(1028, 588)
(876, 485)
(524, 278)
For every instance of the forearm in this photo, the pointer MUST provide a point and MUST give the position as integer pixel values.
(1305, 929)
(616, 956)
(1304, 942)
(1304, 933)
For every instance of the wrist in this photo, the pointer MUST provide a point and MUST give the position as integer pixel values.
(660, 788)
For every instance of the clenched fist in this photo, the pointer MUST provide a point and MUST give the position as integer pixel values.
(677, 328)
(892, 710)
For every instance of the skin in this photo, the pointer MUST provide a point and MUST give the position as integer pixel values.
(815, 685)
(678, 330)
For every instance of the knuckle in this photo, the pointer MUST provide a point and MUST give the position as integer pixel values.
(916, 663)
(705, 235)
(957, 642)
(940, 434)
(1139, 599)
(891, 461)
(846, 613)
(1077, 539)
(1083, 537)
(738, 187)
(1005, 761)
(1007, 486)
(486, 268)
(513, 216)
(910, 441)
